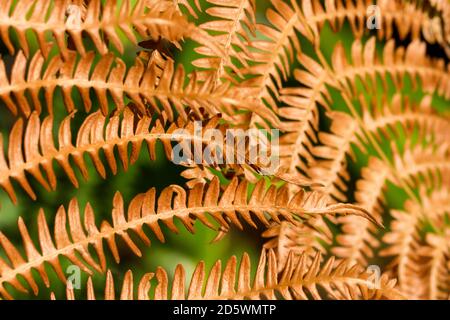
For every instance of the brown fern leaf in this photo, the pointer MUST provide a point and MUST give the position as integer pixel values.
(273, 56)
(154, 85)
(405, 18)
(419, 165)
(297, 281)
(233, 23)
(296, 144)
(436, 28)
(358, 239)
(101, 20)
(188, 6)
(403, 242)
(327, 161)
(300, 115)
(396, 63)
(300, 239)
(437, 253)
(419, 243)
(32, 150)
(402, 114)
(436, 205)
(232, 207)
(330, 166)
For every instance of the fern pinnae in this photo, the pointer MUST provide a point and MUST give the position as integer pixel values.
(339, 63)
(155, 85)
(378, 99)
(100, 19)
(366, 55)
(402, 243)
(301, 103)
(299, 239)
(399, 111)
(230, 22)
(422, 165)
(418, 252)
(33, 150)
(274, 55)
(396, 63)
(229, 208)
(294, 282)
(437, 252)
(336, 12)
(357, 241)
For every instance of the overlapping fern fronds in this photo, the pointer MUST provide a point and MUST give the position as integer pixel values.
(364, 146)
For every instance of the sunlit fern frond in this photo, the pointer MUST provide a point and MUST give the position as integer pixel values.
(358, 239)
(419, 245)
(421, 165)
(407, 19)
(273, 55)
(330, 166)
(400, 115)
(153, 86)
(437, 277)
(436, 28)
(299, 239)
(394, 64)
(32, 150)
(189, 6)
(230, 207)
(296, 281)
(403, 241)
(300, 116)
(233, 24)
(102, 18)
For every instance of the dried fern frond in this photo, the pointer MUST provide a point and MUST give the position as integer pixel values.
(436, 28)
(406, 18)
(102, 19)
(395, 64)
(401, 115)
(298, 239)
(152, 86)
(420, 253)
(296, 281)
(32, 150)
(300, 116)
(403, 241)
(296, 146)
(437, 253)
(273, 56)
(231, 207)
(358, 239)
(419, 165)
(329, 163)
(233, 23)
(330, 166)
